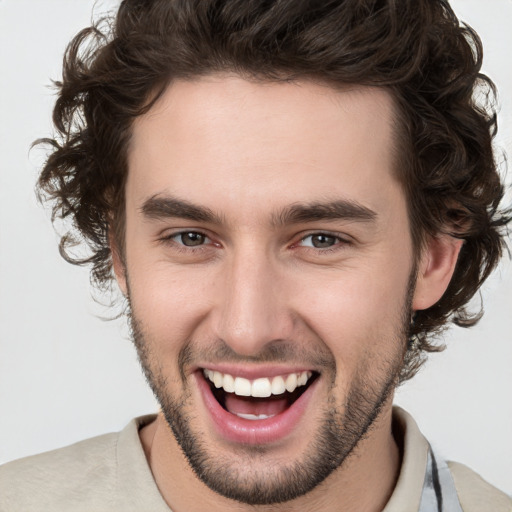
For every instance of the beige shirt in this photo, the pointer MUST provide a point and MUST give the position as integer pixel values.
(110, 473)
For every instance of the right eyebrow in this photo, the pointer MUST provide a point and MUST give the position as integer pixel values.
(163, 207)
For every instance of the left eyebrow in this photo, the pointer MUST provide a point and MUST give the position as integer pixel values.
(334, 210)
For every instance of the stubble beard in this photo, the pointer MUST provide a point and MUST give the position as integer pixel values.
(237, 477)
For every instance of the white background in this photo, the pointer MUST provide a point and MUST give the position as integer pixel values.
(66, 375)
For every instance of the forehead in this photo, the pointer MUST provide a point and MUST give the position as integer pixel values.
(225, 141)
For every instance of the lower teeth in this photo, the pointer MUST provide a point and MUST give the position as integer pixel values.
(253, 416)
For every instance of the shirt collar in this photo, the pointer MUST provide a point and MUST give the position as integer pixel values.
(135, 477)
(414, 450)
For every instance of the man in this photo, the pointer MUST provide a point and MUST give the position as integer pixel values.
(294, 198)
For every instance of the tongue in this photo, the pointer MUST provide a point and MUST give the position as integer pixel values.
(255, 406)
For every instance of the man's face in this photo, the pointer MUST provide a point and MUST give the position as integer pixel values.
(267, 247)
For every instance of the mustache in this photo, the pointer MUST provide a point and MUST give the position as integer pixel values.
(278, 351)
(314, 354)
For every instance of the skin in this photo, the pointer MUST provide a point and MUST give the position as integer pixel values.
(248, 152)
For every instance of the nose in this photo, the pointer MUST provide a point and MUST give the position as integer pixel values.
(252, 306)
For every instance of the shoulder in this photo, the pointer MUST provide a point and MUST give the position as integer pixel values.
(475, 494)
(60, 479)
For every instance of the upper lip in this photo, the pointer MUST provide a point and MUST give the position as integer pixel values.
(255, 372)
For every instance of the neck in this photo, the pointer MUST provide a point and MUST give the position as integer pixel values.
(364, 482)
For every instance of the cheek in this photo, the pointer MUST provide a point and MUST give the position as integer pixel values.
(170, 303)
(355, 313)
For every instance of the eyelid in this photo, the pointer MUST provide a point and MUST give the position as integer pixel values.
(188, 232)
(341, 240)
(171, 235)
(326, 232)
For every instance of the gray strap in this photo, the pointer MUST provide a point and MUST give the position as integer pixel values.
(439, 493)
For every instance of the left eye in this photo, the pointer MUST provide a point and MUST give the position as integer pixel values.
(319, 241)
(190, 238)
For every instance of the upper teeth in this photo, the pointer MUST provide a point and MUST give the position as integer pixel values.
(261, 387)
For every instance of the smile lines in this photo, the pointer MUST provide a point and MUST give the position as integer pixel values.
(259, 388)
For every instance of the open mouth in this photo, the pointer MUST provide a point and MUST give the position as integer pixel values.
(261, 398)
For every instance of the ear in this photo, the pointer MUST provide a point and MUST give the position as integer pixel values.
(118, 265)
(435, 270)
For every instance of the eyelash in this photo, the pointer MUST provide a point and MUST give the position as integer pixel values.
(339, 242)
(170, 239)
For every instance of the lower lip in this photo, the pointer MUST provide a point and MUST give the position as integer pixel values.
(254, 432)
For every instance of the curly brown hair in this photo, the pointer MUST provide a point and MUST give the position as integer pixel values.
(430, 63)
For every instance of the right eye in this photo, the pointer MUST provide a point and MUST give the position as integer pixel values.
(190, 238)
(320, 241)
